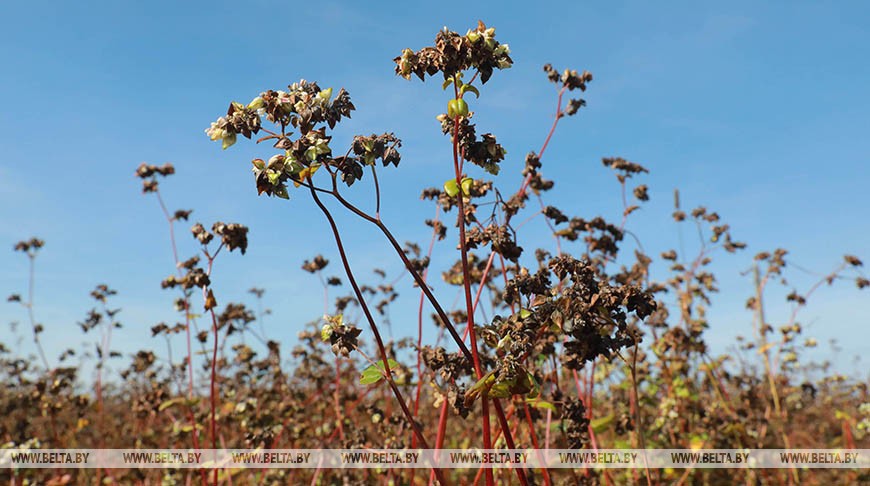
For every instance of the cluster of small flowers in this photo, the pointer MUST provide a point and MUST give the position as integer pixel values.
(454, 53)
(303, 106)
(342, 338)
(29, 246)
(148, 173)
(233, 235)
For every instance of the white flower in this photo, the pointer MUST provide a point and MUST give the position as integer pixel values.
(216, 131)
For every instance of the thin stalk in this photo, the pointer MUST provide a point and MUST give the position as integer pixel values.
(508, 437)
(637, 416)
(534, 438)
(442, 428)
(213, 390)
(380, 344)
(408, 265)
(30, 292)
(337, 398)
(420, 326)
(30, 287)
(469, 305)
(191, 416)
(771, 379)
(213, 381)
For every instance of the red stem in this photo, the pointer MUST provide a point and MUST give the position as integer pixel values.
(466, 283)
(213, 383)
(534, 439)
(191, 416)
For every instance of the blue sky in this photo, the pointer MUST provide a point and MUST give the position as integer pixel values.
(757, 110)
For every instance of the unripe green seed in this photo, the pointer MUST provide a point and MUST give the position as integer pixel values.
(325, 332)
(256, 103)
(457, 107)
(466, 186)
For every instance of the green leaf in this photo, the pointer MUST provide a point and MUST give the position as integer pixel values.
(482, 386)
(451, 188)
(535, 390)
(502, 389)
(621, 444)
(371, 375)
(281, 191)
(311, 153)
(168, 403)
(467, 87)
(447, 82)
(228, 141)
(492, 168)
(393, 364)
(375, 373)
(602, 423)
(541, 404)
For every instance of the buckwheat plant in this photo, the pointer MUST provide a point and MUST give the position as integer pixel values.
(582, 308)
